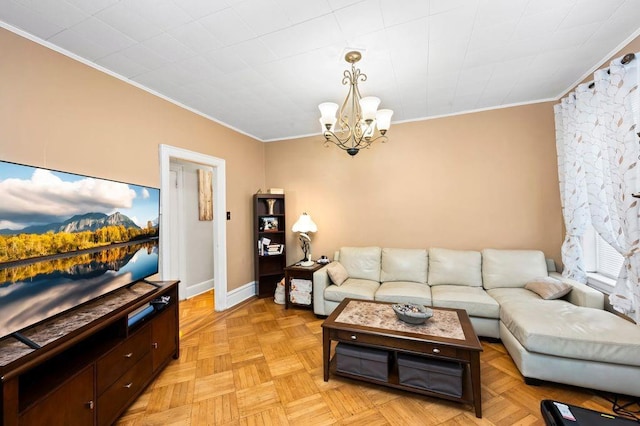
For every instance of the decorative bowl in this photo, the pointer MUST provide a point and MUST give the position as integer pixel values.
(412, 313)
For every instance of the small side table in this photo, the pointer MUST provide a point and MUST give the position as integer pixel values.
(303, 273)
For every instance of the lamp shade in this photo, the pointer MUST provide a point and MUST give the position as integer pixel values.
(383, 117)
(369, 107)
(328, 111)
(304, 224)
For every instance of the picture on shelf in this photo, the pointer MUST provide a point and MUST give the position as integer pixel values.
(269, 224)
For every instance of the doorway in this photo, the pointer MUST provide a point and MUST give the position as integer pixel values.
(173, 242)
(192, 258)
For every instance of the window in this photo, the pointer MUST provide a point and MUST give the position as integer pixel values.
(602, 261)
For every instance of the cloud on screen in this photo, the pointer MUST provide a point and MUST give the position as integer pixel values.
(46, 198)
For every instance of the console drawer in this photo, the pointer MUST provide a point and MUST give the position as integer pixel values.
(358, 338)
(395, 344)
(123, 390)
(112, 365)
(440, 350)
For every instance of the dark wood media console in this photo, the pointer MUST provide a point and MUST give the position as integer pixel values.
(88, 365)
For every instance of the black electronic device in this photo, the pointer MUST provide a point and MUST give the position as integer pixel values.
(161, 302)
(556, 413)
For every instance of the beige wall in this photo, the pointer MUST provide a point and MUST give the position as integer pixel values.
(486, 179)
(58, 113)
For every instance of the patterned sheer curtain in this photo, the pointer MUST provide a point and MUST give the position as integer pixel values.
(573, 189)
(598, 164)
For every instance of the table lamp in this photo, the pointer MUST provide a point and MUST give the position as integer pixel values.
(304, 225)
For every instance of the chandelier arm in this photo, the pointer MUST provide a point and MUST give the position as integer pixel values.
(381, 138)
(347, 77)
(344, 120)
(336, 140)
(357, 111)
(356, 143)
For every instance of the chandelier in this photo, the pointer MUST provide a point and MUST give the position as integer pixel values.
(359, 122)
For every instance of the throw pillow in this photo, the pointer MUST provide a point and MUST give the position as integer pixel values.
(337, 273)
(548, 288)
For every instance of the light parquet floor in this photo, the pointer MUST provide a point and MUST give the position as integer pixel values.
(259, 364)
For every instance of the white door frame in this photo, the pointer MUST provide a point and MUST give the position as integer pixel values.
(177, 263)
(168, 152)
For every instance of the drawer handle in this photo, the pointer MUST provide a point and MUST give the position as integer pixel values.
(128, 385)
(129, 355)
(354, 337)
(89, 405)
(154, 345)
(436, 350)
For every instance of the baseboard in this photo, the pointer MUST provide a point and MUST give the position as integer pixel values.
(196, 289)
(240, 294)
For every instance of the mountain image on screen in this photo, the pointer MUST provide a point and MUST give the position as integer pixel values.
(77, 223)
(80, 232)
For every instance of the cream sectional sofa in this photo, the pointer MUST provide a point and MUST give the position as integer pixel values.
(570, 340)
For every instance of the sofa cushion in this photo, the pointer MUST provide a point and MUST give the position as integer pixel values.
(337, 273)
(511, 268)
(404, 265)
(361, 262)
(404, 292)
(474, 300)
(454, 267)
(508, 295)
(352, 287)
(559, 328)
(548, 288)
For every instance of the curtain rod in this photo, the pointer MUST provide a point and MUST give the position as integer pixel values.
(624, 61)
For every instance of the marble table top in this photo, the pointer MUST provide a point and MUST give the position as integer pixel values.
(444, 323)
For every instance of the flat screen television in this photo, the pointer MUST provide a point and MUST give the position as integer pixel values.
(66, 239)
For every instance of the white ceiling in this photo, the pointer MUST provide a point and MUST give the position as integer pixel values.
(262, 66)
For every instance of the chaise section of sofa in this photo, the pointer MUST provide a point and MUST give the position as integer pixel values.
(571, 339)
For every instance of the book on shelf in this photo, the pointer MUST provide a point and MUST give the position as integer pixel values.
(275, 249)
(266, 247)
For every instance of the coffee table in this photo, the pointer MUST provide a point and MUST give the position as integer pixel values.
(448, 335)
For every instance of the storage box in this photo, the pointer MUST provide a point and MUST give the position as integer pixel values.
(431, 374)
(362, 361)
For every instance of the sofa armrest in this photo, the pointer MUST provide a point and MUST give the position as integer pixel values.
(321, 281)
(581, 294)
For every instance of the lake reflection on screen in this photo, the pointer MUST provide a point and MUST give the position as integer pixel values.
(33, 292)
